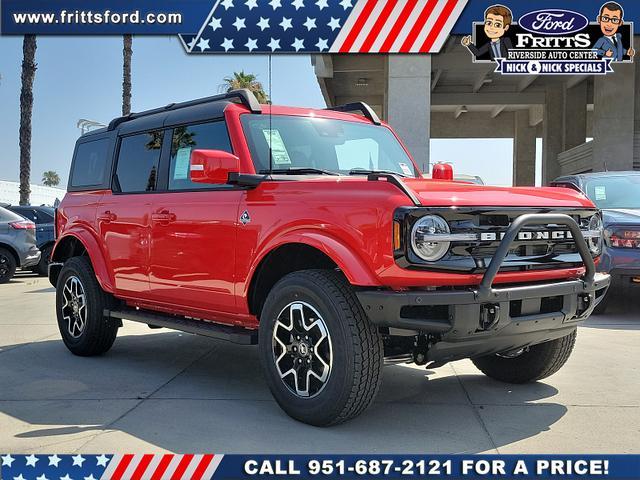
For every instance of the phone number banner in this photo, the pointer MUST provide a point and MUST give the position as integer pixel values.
(218, 466)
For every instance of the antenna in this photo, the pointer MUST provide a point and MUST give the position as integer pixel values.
(270, 123)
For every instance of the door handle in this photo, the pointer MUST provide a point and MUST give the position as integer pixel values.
(107, 217)
(163, 217)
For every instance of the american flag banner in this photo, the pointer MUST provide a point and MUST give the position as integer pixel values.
(329, 26)
(109, 467)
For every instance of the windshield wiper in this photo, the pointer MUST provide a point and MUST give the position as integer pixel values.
(364, 171)
(300, 171)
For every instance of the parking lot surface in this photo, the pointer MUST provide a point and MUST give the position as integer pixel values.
(159, 390)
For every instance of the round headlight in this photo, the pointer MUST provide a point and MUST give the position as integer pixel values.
(596, 234)
(424, 238)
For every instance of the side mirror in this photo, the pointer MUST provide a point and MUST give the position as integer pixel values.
(213, 166)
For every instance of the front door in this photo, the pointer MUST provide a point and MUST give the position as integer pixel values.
(193, 229)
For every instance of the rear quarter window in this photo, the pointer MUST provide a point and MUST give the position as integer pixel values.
(90, 164)
(9, 216)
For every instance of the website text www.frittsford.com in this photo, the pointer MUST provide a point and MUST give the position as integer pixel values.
(89, 17)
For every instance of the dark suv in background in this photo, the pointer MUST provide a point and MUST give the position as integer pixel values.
(617, 194)
(43, 217)
(17, 244)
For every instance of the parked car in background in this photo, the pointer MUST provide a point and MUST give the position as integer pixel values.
(617, 194)
(43, 217)
(17, 244)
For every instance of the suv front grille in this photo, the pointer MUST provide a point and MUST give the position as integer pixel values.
(542, 247)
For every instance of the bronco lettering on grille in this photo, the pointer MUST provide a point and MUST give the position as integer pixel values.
(541, 235)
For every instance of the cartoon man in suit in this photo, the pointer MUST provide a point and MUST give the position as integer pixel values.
(610, 45)
(497, 19)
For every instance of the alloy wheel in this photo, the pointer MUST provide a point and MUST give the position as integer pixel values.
(302, 349)
(74, 308)
(4, 265)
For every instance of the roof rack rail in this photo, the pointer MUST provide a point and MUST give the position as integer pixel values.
(246, 97)
(366, 110)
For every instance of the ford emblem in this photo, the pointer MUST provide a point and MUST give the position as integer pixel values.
(553, 22)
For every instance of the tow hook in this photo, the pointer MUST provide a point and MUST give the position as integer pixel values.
(584, 302)
(420, 349)
(489, 315)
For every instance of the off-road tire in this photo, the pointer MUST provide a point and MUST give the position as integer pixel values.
(8, 267)
(538, 362)
(356, 370)
(99, 332)
(42, 268)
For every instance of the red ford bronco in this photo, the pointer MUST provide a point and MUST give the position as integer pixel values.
(312, 234)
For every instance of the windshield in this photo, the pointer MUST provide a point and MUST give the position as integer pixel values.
(614, 191)
(332, 146)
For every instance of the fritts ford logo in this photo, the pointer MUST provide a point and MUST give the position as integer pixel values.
(552, 41)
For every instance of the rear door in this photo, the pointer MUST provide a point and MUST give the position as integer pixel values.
(193, 227)
(123, 217)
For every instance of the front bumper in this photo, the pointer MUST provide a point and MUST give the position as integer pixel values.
(526, 315)
(483, 320)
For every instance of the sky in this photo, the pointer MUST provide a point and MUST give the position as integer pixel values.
(81, 77)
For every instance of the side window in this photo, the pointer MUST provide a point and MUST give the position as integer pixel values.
(137, 169)
(90, 164)
(205, 136)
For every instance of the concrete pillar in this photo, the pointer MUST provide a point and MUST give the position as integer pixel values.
(552, 140)
(613, 119)
(524, 150)
(408, 103)
(575, 115)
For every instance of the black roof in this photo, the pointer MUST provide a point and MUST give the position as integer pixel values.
(176, 113)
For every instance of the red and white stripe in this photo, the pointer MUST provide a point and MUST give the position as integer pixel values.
(161, 467)
(394, 26)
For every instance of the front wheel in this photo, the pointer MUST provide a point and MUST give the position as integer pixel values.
(530, 364)
(321, 356)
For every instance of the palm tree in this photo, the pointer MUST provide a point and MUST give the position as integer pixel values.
(29, 67)
(127, 52)
(50, 178)
(249, 81)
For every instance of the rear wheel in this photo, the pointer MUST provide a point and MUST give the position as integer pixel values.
(7, 265)
(530, 364)
(80, 304)
(321, 356)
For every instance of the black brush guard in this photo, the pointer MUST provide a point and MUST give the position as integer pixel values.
(482, 320)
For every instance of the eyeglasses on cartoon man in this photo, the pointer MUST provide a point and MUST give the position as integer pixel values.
(610, 45)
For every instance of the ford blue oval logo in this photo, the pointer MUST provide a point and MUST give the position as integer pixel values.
(553, 22)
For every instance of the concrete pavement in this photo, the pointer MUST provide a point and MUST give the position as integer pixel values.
(158, 390)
